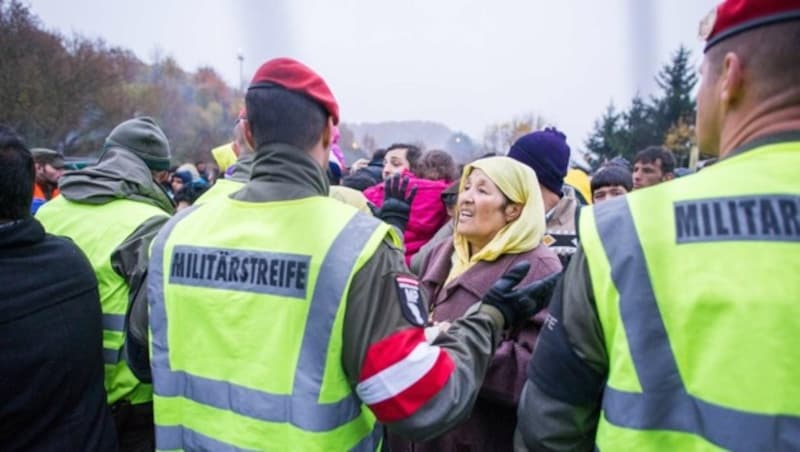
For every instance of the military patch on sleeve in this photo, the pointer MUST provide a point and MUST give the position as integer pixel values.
(411, 303)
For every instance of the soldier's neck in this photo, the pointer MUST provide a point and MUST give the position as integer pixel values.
(757, 124)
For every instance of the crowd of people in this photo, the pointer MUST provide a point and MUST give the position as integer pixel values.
(285, 299)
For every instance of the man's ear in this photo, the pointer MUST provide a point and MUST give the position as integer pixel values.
(248, 134)
(512, 211)
(731, 79)
(327, 133)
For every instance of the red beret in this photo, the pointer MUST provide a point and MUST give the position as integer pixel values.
(732, 17)
(296, 76)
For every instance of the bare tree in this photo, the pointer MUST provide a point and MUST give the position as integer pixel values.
(499, 137)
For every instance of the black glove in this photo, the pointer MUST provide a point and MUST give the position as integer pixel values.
(520, 304)
(396, 206)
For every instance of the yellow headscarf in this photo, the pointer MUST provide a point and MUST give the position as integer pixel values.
(519, 183)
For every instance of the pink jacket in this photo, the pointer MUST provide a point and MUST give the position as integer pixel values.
(428, 213)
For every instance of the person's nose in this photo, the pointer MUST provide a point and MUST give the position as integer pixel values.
(465, 197)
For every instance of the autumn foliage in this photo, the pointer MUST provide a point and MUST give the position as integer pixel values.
(67, 93)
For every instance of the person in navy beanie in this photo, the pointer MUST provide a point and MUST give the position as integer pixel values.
(547, 153)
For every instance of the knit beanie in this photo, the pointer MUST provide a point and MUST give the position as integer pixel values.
(612, 174)
(49, 156)
(184, 176)
(145, 139)
(547, 153)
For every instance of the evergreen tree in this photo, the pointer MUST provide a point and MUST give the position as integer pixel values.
(676, 104)
(667, 119)
(606, 140)
(639, 129)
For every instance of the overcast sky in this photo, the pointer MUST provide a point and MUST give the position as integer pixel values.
(465, 63)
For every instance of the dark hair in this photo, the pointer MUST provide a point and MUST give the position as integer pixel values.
(437, 165)
(770, 54)
(449, 195)
(378, 155)
(620, 161)
(652, 153)
(611, 175)
(360, 180)
(449, 199)
(277, 115)
(190, 192)
(334, 173)
(413, 155)
(17, 176)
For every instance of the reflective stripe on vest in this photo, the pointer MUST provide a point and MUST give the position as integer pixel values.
(113, 322)
(301, 408)
(664, 403)
(179, 437)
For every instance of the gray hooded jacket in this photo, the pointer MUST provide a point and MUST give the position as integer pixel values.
(122, 175)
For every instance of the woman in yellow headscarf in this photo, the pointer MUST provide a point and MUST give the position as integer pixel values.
(499, 221)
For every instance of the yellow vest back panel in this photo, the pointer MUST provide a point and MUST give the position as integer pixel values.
(98, 230)
(247, 306)
(697, 289)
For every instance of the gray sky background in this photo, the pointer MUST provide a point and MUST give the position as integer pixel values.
(465, 63)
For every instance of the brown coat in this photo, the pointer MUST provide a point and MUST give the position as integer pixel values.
(491, 425)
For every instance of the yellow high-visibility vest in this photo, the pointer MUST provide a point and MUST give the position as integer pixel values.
(697, 286)
(98, 229)
(247, 305)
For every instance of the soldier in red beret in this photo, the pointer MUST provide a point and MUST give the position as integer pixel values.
(297, 326)
(683, 334)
